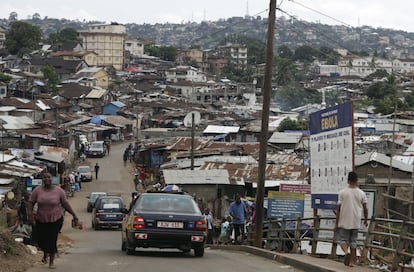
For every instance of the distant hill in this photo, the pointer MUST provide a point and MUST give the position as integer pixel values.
(293, 33)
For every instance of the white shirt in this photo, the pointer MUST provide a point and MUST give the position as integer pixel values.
(351, 201)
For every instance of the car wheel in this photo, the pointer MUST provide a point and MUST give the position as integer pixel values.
(129, 250)
(96, 227)
(199, 251)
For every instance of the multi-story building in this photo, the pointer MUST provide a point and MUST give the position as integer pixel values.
(403, 66)
(185, 73)
(107, 41)
(2, 37)
(135, 47)
(236, 53)
(187, 55)
(362, 67)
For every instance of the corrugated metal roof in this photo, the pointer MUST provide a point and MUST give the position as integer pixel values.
(119, 104)
(16, 122)
(96, 93)
(53, 153)
(221, 129)
(197, 177)
(285, 138)
(383, 159)
(287, 167)
(19, 169)
(117, 120)
(41, 105)
(7, 108)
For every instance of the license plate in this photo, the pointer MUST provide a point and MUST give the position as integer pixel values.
(111, 215)
(170, 225)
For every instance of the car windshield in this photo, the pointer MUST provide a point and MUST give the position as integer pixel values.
(110, 204)
(167, 203)
(96, 145)
(95, 196)
(84, 170)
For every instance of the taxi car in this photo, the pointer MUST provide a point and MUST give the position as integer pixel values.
(108, 212)
(164, 220)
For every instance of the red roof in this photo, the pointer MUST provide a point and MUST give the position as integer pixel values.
(132, 69)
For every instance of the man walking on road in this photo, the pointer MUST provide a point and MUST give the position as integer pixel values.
(96, 170)
(352, 201)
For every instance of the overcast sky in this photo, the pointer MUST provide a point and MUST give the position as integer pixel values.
(394, 14)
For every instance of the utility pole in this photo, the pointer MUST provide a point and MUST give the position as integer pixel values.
(267, 86)
(192, 140)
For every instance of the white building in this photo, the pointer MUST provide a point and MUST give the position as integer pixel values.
(403, 66)
(135, 47)
(362, 67)
(185, 73)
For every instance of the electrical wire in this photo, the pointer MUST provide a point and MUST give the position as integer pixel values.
(321, 13)
(328, 39)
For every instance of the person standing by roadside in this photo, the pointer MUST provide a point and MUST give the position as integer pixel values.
(96, 170)
(237, 211)
(50, 200)
(352, 202)
(23, 209)
(210, 228)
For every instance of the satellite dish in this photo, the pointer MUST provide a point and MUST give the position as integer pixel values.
(189, 118)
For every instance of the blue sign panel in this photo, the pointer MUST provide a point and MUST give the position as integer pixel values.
(331, 153)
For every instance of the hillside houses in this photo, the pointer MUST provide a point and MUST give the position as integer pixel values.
(145, 102)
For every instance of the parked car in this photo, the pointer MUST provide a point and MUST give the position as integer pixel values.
(164, 220)
(85, 173)
(96, 149)
(108, 211)
(92, 197)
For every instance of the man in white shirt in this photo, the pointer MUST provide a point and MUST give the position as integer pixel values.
(352, 201)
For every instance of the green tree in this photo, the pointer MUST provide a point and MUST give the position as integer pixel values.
(5, 78)
(51, 78)
(284, 52)
(305, 53)
(22, 38)
(168, 53)
(65, 35)
(379, 73)
(285, 71)
(238, 74)
(290, 124)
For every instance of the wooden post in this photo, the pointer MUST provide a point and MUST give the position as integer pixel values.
(267, 89)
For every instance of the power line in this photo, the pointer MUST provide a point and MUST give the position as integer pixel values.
(328, 39)
(321, 13)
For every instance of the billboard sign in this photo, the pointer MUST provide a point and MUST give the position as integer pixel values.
(332, 153)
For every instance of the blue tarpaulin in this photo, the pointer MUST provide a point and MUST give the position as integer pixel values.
(98, 119)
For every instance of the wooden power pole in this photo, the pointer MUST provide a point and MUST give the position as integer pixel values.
(267, 89)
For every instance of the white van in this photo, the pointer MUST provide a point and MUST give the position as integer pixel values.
(96, 149)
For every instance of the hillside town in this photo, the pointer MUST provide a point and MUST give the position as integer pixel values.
(189, 111)
(108, 89)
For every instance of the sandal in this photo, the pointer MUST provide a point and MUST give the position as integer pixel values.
(347, 259)
(52, 266)
(44, 261)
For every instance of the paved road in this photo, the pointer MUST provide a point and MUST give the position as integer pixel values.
(101, 250)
